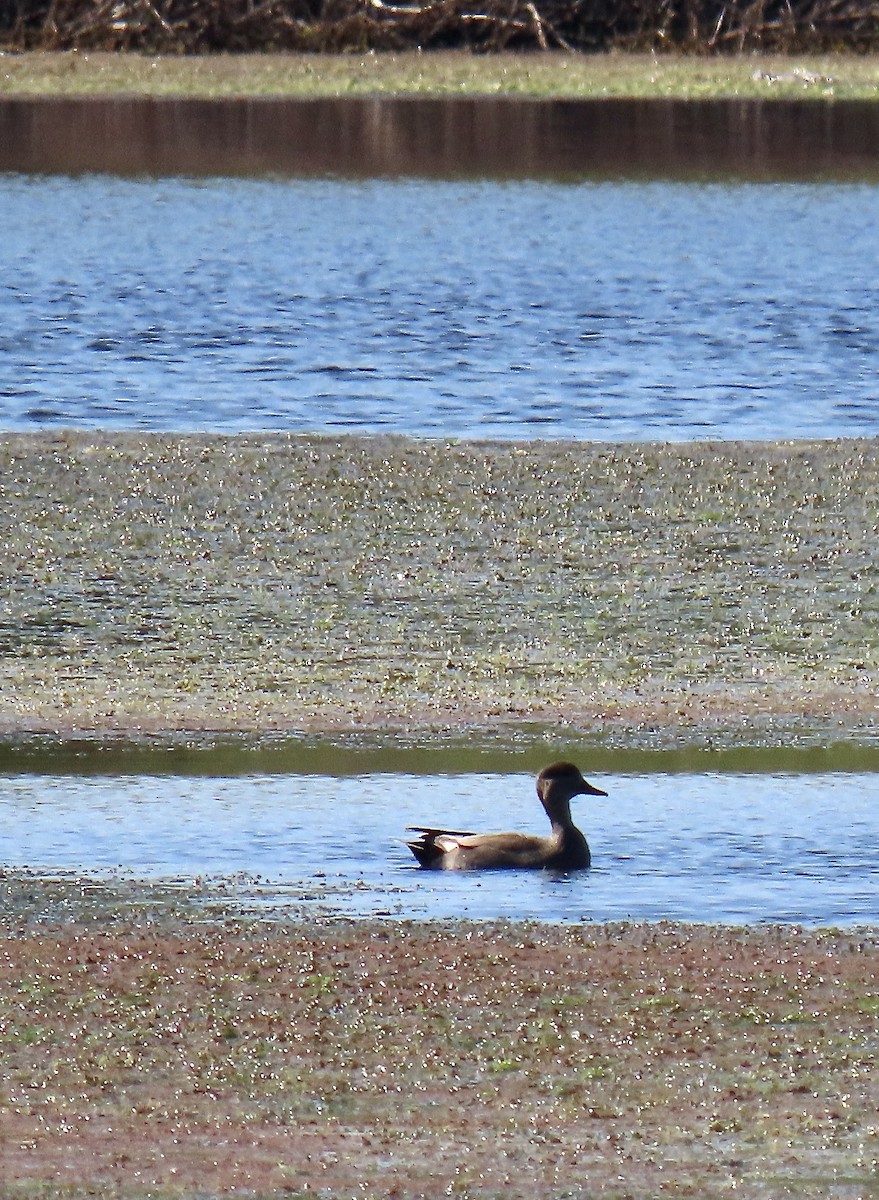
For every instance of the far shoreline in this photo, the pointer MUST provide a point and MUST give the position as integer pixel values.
(439, 73)
(429, 752)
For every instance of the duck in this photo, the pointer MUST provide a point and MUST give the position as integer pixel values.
(566, 849)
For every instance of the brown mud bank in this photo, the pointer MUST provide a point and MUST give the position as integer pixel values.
(283, 585)
(148, 1055)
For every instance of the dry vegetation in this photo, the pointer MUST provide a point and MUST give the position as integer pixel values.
(199, 26)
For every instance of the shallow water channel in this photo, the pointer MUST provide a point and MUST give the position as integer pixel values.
(709, 847)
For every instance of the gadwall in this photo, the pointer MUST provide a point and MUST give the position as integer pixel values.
(566, 849)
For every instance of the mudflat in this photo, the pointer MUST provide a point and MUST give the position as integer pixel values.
(274, 584)
(151, 1051)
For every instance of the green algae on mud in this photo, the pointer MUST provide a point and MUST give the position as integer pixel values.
(32, 900)
(441, 73)
(324, 587)
(150, 1056)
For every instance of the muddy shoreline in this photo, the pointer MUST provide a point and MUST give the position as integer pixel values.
(153, 1049)
(281, 586)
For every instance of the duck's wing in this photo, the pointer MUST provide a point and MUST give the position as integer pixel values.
(453, 851)
(484, 851)
(432, 831)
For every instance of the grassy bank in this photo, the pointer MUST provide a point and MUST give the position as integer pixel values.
(643, 594)
(150, 1056)
(842, 76)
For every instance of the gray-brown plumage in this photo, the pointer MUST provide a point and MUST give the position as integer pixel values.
(566, 849)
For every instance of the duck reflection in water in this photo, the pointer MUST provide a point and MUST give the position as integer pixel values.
(566, 849)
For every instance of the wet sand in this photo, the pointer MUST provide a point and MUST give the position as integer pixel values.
(151, 1050)
(273, 585)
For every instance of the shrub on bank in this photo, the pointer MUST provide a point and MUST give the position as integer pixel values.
(204, 26)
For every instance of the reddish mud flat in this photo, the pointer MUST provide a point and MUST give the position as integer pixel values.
(154, 1056)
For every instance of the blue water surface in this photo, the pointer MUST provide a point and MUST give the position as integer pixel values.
(595, 310)
(695, 847)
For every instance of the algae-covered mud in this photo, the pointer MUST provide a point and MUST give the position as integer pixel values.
(148, 1056)
(275, 584)
(439, 73)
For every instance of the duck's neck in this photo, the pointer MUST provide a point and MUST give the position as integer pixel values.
(559, 814)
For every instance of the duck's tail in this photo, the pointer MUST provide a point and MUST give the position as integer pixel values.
(425, 848)
(426, 851)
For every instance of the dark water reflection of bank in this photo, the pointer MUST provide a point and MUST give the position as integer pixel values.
(444, 138)
(234, 756)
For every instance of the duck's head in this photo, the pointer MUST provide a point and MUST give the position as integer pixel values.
(558, 783)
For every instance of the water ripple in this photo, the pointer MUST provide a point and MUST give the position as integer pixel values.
(469, 309)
